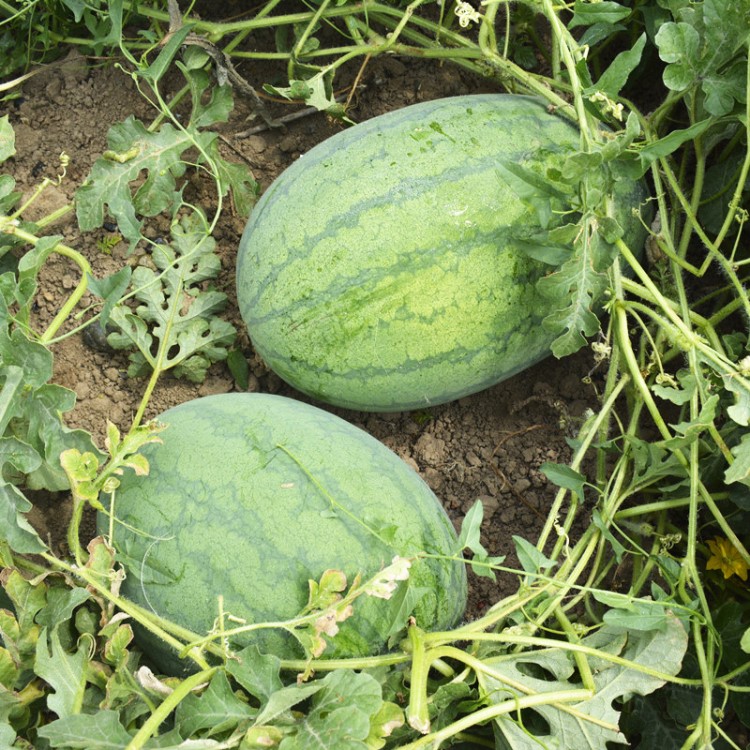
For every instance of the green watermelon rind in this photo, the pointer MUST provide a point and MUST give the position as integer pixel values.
(225, 510)
(378, 272)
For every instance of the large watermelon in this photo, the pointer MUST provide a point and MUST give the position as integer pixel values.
(251, 496)
(379, 271)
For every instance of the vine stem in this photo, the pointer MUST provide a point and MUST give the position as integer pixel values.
(435, 739)
(558, 645)
(67, 252)
(148, 620)
(566, 44)
(151, 725)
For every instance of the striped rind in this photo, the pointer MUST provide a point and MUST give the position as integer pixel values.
(238, 503)
(379, 273)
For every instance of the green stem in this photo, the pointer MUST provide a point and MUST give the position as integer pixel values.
(67, 252)
(646, 509)
(165, 708)
(734, 203)
(592, 431)
(560, 645)
(483, 715)
(148, 620)
(697, 190)
(74, 525)
(584, 668)
(566, 45)
(417, 712)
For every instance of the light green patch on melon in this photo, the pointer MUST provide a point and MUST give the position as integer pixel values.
(229, 509)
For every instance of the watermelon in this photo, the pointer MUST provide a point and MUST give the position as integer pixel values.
(250, 496)
(382, 272)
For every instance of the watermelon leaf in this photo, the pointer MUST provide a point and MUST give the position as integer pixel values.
(7, 735)
(15, 529)
(699, 51)
(564, 476)
(7, 139)
(343, 706)
(135, 150)
(175, 311)
(217, 709)
(577, 286)
(99, 731)
(32, 433)
(592, 722)
(633, 615)
(649, 725)
(470, 539)
(617, 74)
(110, 289)
(64, 672)
(587, 14)
(282, 700)
(258, 673)
(531, 559)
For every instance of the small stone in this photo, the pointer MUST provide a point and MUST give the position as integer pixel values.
(68, 281)
(116, 414)
(521, 485)
(472, 459)
(489, 504)
(430, 449)
(410, 462)
(112, 373)
(287, 144)
(53, 88)
(434, 478)
(257, 143)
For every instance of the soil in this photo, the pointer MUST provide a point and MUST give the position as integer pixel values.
(488, 446)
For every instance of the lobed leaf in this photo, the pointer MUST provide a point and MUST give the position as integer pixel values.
(175, 312)
(577, 285)
(531, 559)
(564, 476)
(64, 672)
(593, 722)
(706, 49)
(259, 674)
(614, 78)
(134, 151)
(14, 528)
(217, 709)
(340, 715)
(99, 731)
(606, 11)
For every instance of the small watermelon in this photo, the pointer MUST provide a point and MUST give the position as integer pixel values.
(250, 496)
(382, 272)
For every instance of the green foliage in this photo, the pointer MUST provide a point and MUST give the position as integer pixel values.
(593, 721)
(701, 49)
(175, 326)
(32, 431)
(134, 149)
(32, 32)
